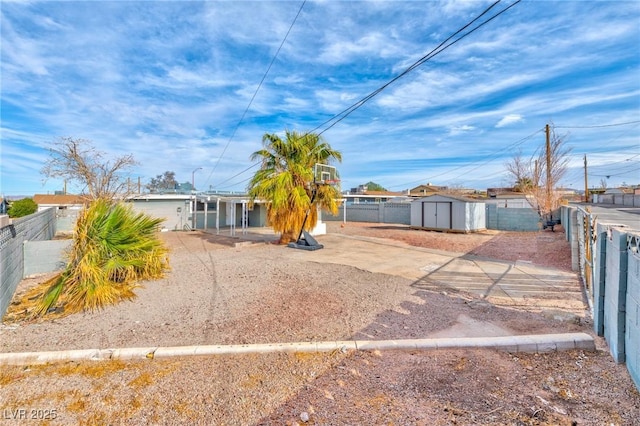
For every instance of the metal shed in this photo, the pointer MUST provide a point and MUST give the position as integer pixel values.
(448, 213)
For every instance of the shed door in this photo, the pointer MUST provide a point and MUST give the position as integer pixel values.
(436, 215)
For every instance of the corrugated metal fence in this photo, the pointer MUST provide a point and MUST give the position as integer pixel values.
(36, 227)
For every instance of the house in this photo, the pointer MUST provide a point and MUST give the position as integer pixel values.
(182, 211)
(425, 190)
(60, 201)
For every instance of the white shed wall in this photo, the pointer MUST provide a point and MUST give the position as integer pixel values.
(466, 216)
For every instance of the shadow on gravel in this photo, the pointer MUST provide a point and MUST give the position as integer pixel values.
(225, 239)
(437, 312)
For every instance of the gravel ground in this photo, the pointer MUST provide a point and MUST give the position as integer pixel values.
(218, 294)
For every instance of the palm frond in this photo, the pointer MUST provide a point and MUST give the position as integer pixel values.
(114, 249)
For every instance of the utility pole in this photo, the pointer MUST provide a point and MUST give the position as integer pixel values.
(586, 183)
(548, 144)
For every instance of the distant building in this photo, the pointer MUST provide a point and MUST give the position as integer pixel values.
(363, 196)
(60, 201)
(504, 193)
(427, 189)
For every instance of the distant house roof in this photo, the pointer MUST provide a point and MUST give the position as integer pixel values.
(60, 200)
(618, 191)
(440, 197)
(504, 193)
(422, 190)
(381, 193)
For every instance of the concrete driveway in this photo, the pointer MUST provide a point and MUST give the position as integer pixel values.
(519, 285)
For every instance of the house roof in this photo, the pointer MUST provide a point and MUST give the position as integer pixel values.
(424, 189)
(379, 194)
(60, 199)
(435, 197)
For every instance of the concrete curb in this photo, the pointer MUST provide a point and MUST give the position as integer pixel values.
(536, 343)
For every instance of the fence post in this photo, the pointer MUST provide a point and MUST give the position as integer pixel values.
(632, 330)
(600, 266)
(615, 293)
(575, 244)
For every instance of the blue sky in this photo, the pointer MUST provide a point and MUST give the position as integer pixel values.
(175, 84)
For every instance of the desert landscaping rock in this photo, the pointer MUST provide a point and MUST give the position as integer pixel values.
(262, 293)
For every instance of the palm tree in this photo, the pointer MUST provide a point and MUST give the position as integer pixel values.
(114, 248)
(285, 180)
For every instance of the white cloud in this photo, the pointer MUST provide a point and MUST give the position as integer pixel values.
(456, 130)
(509, 119)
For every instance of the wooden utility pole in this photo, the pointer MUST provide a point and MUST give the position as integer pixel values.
(548, 145)
(586, 182)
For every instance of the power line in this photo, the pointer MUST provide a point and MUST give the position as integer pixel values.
(256, 92)
(437, 50)
(625, 173)
(238, 174)
(598, 126)
(434, 52)
(491, 155)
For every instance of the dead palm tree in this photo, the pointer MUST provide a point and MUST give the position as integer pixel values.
(286, 181)
(114, 248)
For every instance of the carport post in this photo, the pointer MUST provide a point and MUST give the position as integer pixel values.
(218, 215)
(344, 211)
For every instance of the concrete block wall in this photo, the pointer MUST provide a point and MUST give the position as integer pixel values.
(627, 200)
(39, 226)
(396, 213)
(616, 287)
(45, 256)
(565, 219)
(374, 213)
(67, 223)
(575, 226)
(615, 293)
(11, 266)
(518, 220)
(500, 218)
(600, 267)
(632, 330)
(491, 214)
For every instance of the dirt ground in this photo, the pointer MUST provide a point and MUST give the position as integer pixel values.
(217, 293)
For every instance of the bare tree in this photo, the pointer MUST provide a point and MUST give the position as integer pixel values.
(538, 176)
(603, 183)
(78, 160)
(166, 181)
(520, 170)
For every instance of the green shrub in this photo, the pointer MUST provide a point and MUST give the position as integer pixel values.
(20, 208)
